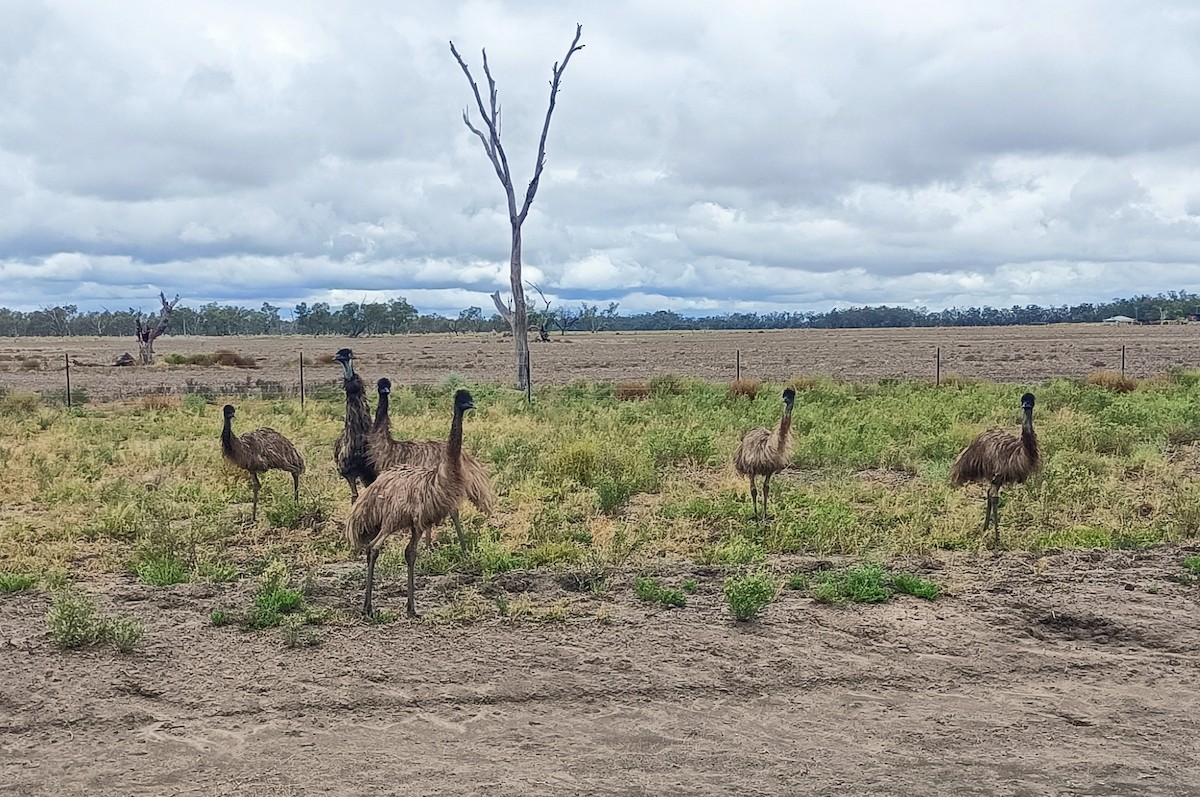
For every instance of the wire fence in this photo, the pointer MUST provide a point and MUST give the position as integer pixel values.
(75, 383)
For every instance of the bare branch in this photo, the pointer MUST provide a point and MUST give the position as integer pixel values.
(491, 142)
(504, 310)
(541, 153)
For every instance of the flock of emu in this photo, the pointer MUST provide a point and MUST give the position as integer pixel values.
(413, 485)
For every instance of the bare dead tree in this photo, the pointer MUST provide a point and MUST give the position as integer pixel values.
(148, 329)
(516, 315)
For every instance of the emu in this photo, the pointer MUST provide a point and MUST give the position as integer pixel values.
(258, 452)
(350, 449)
(764, 452)
(412, 499)
(997, 458)
(387, 453)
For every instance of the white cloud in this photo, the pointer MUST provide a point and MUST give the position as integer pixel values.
(790, 156)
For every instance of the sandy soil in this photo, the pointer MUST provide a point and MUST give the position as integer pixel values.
(1078, 675)
(1009, 354)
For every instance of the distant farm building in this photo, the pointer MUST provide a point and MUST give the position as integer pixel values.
(1120, 319)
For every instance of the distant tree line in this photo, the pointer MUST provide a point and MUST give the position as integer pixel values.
(398, 316)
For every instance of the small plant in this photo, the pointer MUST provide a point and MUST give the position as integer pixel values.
(274, 598)
(217, 572)
(218, 617)
(17, 582)
(161, 571)
(866, 584)
(797, 581)
(746, 596)
(631, 391)
(650, 590)
(745, 387)
(1112, 380)
(689, 586)
(123, 632)
(296, 633)
(909, 584)
(1192, 565)
(73, 621)
(604, 615)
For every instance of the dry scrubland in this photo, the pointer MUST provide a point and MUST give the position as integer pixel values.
(590, 629)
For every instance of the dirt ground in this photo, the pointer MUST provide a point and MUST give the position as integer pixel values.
(1006, 354)
(1070, 675)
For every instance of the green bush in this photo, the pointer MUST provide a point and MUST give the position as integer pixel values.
(746, 596)
(161, 571)
(72, 620)
(123, 632)
(17, 582)
(650, 590)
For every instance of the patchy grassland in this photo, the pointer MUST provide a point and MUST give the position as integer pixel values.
(589, 482)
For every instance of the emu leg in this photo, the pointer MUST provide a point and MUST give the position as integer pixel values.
(353, 488)
(754, 496)
(996, 520)
(458, 529)
(368, 608)
(410, 559)
(296, 487)
(254, 485)
(766, 492)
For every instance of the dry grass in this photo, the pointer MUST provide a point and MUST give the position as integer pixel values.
(159, 401)
(631, 391)
(1112, 380)
(226, 357)
(31, 364)
(325, 359)
(745, 387)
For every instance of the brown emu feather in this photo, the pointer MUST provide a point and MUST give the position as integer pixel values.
(997, 458)
(350, 449)
(386, 453)
(412, 499)
(765, 452)
(258, 452)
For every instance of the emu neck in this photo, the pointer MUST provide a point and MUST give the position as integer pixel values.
(358, 412)
(785, 426)
(229, 441)
(382, 421)
(452, 464)
(1029, 439)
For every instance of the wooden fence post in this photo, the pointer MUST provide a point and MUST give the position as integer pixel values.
(1122, 359)
(67, 361)
(739, 365)
(938, 368)
(302, 379)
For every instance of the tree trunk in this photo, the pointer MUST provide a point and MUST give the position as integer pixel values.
(518, 320)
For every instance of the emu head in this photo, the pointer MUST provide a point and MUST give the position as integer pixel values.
(384, 385)
(789, 397)
(346, 358)
(228, 410)
(463, 401)
(1027, 402)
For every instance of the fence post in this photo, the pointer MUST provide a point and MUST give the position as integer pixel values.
(528, 379)
(67, 362)
(1122, 359)
(739, 365)
(302, 379)
(938, 368)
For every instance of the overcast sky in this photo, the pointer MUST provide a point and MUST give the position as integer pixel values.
(703, 157)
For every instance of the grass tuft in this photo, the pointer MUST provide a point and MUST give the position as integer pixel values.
(1112, 380)
(17, 582)
(748, 595)
(649, 589)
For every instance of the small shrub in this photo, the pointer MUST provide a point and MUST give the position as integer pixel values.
(195, 403)
(296, 633)
(274, 598)
(797, 581)
(123, 632)
(863, 584)
(746, 596)
(631, 391)
(72, 620)
(31, 364)
(1192, 565)
(1112, 380)
(17, 582)
(158, 401)
(217, 572)
(665, 385)
(689, 586)
(218, 617)
(909, 584)
(17, 403)
(161, 571)
(650, 590)
(745, 387)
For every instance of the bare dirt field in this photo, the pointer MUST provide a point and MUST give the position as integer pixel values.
(1074, 674)
(1006, 354)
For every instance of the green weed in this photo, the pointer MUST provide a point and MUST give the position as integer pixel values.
(748, 595)
(161, 571)
(17, 582)
(649, 589)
